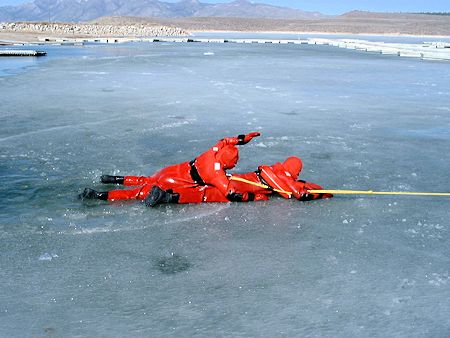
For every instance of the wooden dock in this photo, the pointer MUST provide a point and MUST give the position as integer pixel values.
(16, 52)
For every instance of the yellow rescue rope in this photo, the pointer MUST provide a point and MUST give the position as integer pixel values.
(344, 192)
(370, 192)
(235, 178)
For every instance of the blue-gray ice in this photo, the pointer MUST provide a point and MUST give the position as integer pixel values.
(362, 266)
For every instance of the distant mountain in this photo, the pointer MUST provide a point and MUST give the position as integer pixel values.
(86, 10)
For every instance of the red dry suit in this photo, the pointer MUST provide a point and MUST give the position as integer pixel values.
(280, 176)
(190, 179)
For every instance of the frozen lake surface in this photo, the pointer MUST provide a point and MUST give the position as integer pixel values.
(362, 266)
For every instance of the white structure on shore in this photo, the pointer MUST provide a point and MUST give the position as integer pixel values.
(16, 52)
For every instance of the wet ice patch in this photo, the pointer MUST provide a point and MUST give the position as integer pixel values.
(91, 73)
(332, 259)
(166, 214)
(49, 331)
(270, 89)
(291, 113)
(265, 144)
(426, 230)
(407, 283)
(172, 264)
(190, 213)
(172, 103)
(401, 300)
(218, 83)
(437, 279)
(361, 126)
(167, 126)
(47, 256)
(321, 156)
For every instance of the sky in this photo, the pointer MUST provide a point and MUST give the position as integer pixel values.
(333, 6)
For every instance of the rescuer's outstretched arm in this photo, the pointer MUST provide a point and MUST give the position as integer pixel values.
(240, 139)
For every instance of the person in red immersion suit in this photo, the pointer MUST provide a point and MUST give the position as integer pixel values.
(184, 182)
(279, 176)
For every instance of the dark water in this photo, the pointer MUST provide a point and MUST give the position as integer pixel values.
(351, 266)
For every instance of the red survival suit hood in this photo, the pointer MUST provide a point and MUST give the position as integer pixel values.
(228, 156)
(293, 166)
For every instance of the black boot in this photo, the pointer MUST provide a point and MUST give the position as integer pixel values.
(157, 196)
(107, 179)
(90, 194)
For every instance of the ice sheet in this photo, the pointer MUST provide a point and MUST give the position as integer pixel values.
(350, 266)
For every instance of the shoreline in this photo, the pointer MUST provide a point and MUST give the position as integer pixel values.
(124, 27)
(11, 38)
(420, 48)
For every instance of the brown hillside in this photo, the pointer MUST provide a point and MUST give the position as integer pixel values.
(353, 22)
